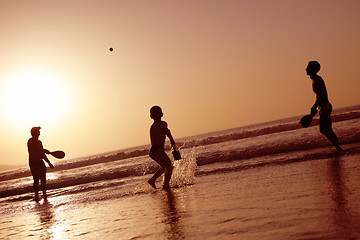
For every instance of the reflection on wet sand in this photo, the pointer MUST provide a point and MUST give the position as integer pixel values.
(341, 214)
(174, 228)
(47, 219)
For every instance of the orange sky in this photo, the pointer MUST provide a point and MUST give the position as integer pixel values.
(211, 65)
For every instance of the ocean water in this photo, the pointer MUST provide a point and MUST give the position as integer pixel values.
(274, 180)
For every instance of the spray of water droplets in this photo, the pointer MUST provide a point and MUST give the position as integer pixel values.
(184, 169)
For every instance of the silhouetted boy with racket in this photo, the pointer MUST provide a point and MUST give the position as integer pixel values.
(36, 163)
(158, 132)
(322, 103)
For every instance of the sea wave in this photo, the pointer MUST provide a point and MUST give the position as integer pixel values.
(201, 140)
(241, 144)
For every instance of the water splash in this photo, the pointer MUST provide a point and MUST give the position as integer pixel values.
(184, 169)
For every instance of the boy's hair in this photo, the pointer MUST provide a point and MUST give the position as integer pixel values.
(156, 112)
(35, 131)
(314, 65)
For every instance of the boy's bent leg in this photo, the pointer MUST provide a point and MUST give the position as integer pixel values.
(163, 159)
(326, 129)
(157, 158)
(152, 183)
(157, 174)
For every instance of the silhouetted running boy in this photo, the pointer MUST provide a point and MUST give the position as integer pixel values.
(36, 163)
(158, 133)
(322, 103)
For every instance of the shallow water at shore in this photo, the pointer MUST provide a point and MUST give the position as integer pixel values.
(314, 199)
(273, 180)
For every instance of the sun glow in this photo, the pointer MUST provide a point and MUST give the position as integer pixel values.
(34, 97)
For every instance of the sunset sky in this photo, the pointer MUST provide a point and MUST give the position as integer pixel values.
(211, 65)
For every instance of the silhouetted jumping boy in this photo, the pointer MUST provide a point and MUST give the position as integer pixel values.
(36, 163)
(322, 103)
(158, 133)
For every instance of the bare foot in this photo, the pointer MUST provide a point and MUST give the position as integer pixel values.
(152, 183)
